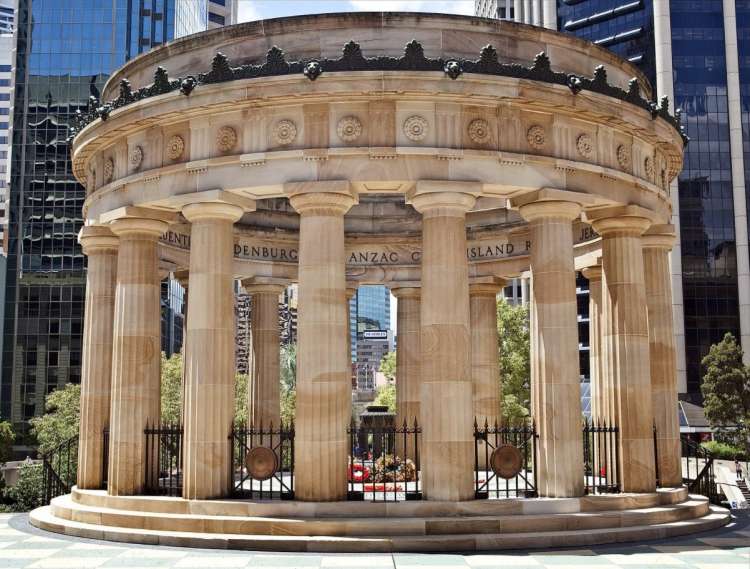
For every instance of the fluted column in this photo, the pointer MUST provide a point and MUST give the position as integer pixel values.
(657, 242)
(555, 378)
(100, 246)
(265, 388)
(408, 356)
(627, 353)
(136, 352)
(209, 355)
(485, 362)
(600, 409)
(323, 370)
(447, 409)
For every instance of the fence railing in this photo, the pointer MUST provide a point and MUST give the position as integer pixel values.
(263, 462)
(59, 469)
(163, 462)
(698, 470)
(384, 463)
(505, 461)
(600, 457)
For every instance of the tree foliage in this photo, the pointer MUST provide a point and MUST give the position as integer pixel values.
(726, 391)
(61, 418)
(386, 396)
(171, 389)
(7, 436)
(515, 366)
(288, 383)
(26, 493)
(388, 366)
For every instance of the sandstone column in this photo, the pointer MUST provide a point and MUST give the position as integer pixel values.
(136, 353)
(485, 363)
(100, 246)
(555, 376)
(447, 410)
(408, 363)
(209, 354)
(657, 242)
(264, 390)
(626, 337)
(600, 410)
(323, 371)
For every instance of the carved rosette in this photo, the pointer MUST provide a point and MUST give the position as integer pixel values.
(284, 132)
(349, 128)
(648, 166)
(415, 128)
(479, 131)
(226, 138)
(175, 147)
(536, 137)
(623, 157)
(109, 170)
(585, 145)
(136, 157)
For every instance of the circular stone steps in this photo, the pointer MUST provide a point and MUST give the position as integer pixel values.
(405, 526)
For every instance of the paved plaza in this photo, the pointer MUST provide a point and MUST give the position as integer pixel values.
(22, 546)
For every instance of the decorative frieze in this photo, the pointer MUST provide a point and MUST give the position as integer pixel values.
(226, 138)
(648, 166)
(349, 129)
(536, 137)
(416, 128)
(585, 145)
(479, 131)
(623, 157)
(109, 170)
(175, 147)
(136, 157)
(284, 132)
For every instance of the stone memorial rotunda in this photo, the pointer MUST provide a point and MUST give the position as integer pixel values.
(437, 155)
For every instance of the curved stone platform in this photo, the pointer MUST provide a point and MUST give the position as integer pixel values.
(380, 527)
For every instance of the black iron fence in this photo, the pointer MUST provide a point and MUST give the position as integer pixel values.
(59, 469)
(600, 457)
(505, 461)
(105, 457)
(263, 462)
(163, 460)
(698, 470)
(384, 463)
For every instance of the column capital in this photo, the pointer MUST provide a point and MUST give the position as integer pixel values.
(264, 285)
(630, 219)
(550, 203)
(333, 197)
(660, 237)
(129, 226)
(97, 239)
(212, 211)
(486, 286)
(592, 273)
(406, 289)
(429, 196)
(138, 212)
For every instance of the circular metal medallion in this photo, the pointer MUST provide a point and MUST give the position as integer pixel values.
(261, 463)
(506, 461)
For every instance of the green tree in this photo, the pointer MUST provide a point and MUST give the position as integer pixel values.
(388, 365)
(7, 436)
(240, 399)
(515, 366)
(171, 389)
(726, 391)
(26, 493)
(61, 419)
(288, 383)
(386, 396)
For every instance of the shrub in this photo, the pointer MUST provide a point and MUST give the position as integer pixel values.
(26, 494)
(723, 451)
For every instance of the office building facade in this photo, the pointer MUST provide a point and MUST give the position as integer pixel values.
(698, 54)
(63, 56)
(221, 13)
(369, 309)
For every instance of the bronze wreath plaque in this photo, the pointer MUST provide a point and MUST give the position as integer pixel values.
(506, 461)
(261, 463)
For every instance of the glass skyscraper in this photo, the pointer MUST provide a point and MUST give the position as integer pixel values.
(369, 309)
(66, 49)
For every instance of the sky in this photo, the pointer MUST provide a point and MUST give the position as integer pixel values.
(263, 9)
